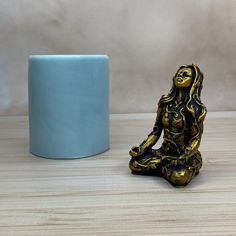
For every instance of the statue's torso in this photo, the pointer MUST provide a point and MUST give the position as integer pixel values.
(176, 128)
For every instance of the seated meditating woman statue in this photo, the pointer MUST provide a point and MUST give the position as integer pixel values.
(180, 115)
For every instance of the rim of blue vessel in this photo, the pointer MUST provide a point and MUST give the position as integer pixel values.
(66, 55)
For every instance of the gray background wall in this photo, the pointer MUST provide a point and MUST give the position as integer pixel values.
(146, 41)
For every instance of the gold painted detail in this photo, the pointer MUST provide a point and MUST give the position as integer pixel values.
(180, 115)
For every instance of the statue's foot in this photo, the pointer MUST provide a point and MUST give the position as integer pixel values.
(180, 176)
(145, 165)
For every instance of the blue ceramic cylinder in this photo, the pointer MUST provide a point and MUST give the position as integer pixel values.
(68, 105)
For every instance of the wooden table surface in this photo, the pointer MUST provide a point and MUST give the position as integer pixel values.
(99, 196)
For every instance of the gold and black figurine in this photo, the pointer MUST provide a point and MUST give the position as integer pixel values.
(180, 116)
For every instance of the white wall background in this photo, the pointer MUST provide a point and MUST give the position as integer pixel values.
(146, 41)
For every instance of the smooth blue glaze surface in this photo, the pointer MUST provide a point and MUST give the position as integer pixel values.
(68, 105)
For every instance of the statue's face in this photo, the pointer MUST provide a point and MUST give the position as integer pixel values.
(183, 78)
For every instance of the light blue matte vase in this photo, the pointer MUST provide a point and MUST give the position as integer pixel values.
(68, 105)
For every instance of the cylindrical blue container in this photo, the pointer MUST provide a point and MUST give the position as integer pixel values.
(68, 105)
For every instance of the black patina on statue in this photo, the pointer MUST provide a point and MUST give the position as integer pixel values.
(180, 115)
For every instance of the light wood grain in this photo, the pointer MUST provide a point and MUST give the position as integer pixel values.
(99, 196)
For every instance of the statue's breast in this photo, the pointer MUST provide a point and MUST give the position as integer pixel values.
(166, 119)
(178, 123)
(174, 118)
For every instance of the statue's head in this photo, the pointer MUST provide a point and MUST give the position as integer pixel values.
(184, 77)
(188, 76)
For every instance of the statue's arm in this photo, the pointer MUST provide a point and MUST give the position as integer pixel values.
(196, 134)
(152, 137)
(156, 132)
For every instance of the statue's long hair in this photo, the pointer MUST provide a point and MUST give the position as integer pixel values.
(193, 102)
